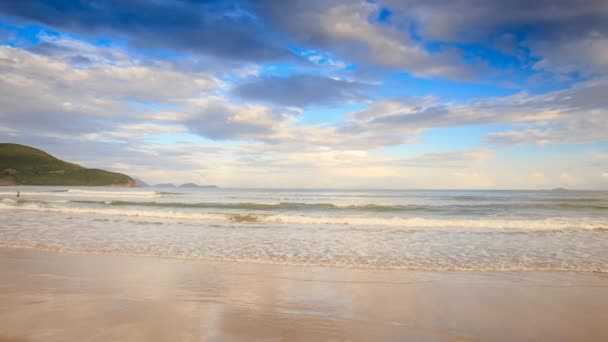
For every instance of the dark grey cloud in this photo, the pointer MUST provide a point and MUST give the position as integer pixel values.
(252, 31)
(566, 36)
(218, 28)
(549, 35)
(303, 90)
(352, 31)
(483, 19)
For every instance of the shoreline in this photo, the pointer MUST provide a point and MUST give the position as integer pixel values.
(55, 296)
(296, 265)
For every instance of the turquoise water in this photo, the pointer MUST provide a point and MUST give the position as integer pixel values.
(412, 229)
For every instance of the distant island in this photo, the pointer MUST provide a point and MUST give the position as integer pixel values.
(25, 165)
(194, 185)
(165, 185)
(140, 182)
(185, 185)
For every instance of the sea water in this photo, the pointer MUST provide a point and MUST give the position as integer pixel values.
(391, 229)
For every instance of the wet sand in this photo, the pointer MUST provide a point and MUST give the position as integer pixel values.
(47, 296)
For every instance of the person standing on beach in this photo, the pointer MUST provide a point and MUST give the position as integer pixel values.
(18, 193)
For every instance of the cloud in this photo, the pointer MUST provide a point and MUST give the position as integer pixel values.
(586, 54)
(46, 95)
(188, 90)
(470, 178)
(274, 129)
(132, 131)
(566, 36)
(215, 118)
(576, 129)
(303, 90)
(77, 53)
(49, 95)
(424, 38)
(217, 28)
(436, 19)
(575, 115)
(351, 31)
(539, 177)
(455, 159)
(566, 177)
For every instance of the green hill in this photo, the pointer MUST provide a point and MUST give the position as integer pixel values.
(24, 165)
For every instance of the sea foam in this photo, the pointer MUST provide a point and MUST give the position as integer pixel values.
(316, 219)
(413, 230)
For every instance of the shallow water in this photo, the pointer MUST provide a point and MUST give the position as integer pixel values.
(413, 229)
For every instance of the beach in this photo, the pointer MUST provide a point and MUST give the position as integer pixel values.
(156, 264)
(49, 296)
(344, 170)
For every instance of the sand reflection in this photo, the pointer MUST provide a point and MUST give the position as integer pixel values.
(56, 297)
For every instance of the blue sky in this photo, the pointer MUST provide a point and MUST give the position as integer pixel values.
(337, 93)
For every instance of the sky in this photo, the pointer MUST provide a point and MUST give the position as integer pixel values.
(460, 94)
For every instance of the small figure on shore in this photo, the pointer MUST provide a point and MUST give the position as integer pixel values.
(18, 194)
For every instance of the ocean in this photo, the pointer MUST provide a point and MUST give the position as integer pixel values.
(431, 230)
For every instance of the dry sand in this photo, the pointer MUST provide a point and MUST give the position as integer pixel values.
(47, 296)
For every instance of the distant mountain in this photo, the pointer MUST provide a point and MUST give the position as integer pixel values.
(24, 165)
(194, 185)
(165, 185)
(140, 182)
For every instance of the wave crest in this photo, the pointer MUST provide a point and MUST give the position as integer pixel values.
(300, 219)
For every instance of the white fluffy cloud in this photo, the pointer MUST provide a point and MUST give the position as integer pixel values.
(575, 115)
(165, 122)
(216, 118)
(45, 94)
(454, 159)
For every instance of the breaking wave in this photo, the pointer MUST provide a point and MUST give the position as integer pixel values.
(316, 218)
